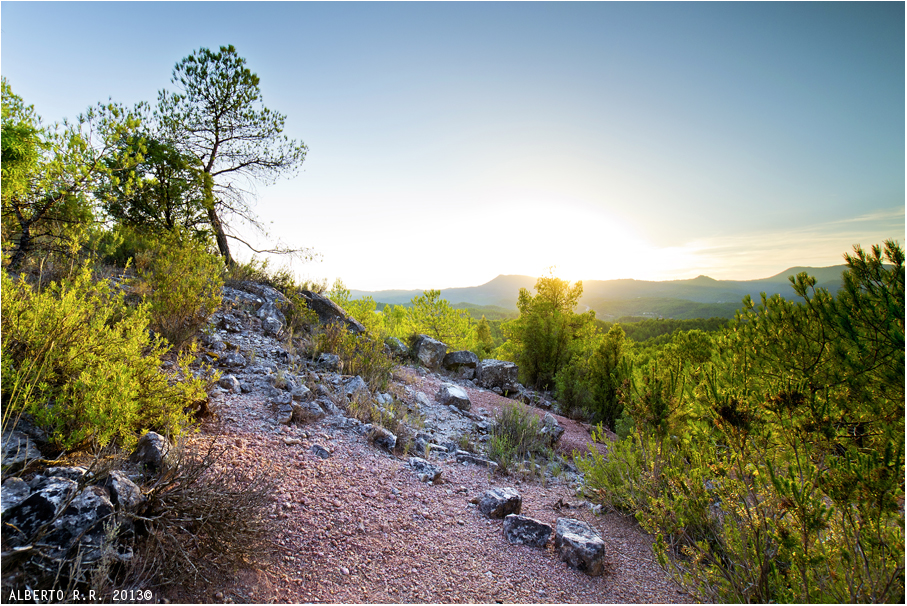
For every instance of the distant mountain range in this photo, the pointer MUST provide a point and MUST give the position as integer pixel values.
(696, 298)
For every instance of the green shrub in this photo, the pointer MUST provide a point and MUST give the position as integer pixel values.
(183, 284)
(82, 364)
(361, 354)
(516, 437)
(769, 461)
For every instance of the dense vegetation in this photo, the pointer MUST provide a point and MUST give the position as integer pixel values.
(114, 252)
(768, 458)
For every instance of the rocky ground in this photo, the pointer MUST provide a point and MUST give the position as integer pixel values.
(355, 522)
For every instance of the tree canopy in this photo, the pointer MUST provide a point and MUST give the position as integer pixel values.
(50, 175)
(218, 117)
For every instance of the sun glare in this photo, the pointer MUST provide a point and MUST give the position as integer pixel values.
(581, 243)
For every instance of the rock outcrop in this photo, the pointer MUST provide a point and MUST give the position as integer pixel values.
(329, 312)
(498, 373)
(428, 351)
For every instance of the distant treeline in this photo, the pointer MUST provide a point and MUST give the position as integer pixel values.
(640, 330)
(663, 307)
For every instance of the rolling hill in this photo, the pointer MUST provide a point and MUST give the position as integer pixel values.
(694, 298)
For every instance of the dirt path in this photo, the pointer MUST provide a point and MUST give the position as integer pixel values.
(359, 526)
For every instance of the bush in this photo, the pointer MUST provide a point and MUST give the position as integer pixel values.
(203, 513)
(361, 354)
(82, 364)
(769, 462)
(516, 437)
(185, 285)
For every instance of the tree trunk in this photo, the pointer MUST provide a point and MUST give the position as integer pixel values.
(222, 245)
(23, 246)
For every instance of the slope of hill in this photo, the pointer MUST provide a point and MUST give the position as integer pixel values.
(671, 298)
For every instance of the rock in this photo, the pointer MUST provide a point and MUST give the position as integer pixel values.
(523, 530)
(307, 412)
(329, 312)
(70, 473)
(284, 414)
(13, 492)
(152, 452)
(265, 293)
(18, 451)
(468, 457)
(320, 451)
(328, 406)
(422, 400)
(124, 493)
(70, 516)
(301, 393)
(497, 373)
(382, 438)
(281, 398)
(551, 428)
(429, 351)
(425, 470)
(241, 297)
(355, 384)
(233, 360)
(499, 502)
(231, 324)
(457, 360)
(271, 326)
(398, 348)
(330, 362)
(230, 383)
(451, 394)
(384, 399)
(580, 546)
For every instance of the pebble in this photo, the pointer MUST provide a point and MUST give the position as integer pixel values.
(292, 441)
(344, 571)
(219, 595)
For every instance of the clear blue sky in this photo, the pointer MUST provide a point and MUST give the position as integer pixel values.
(452, 142)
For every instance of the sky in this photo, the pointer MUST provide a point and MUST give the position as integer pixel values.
(453, 142)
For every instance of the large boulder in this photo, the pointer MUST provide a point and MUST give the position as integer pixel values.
(523, 530)
(499, 502)
(497, 373)
(428, 351)
(463, 363)
(454, 395)
(580, 546)
(329, 312)
(68, 516)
